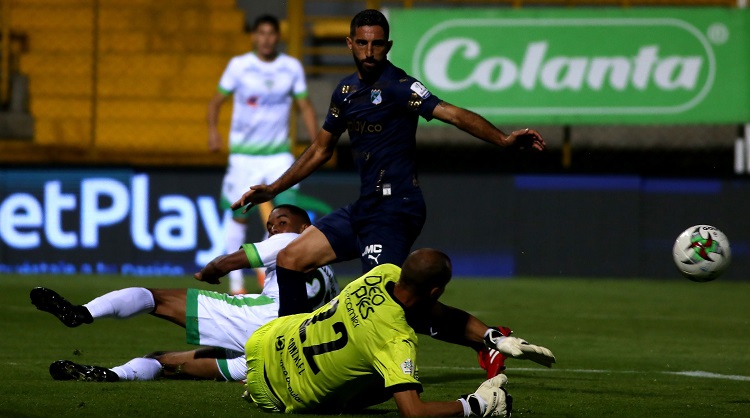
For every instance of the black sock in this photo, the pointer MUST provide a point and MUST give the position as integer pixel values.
(292, 291)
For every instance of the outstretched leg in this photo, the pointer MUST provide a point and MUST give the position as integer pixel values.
(206, 363)
(121, 304)
(201, 363)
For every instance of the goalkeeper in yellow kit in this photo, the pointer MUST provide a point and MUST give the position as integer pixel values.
(361, 348)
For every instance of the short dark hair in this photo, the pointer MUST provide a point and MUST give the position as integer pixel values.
(369, 17)
(297, 211)
(263, 19)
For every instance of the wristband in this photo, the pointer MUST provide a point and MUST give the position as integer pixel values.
(467, 408)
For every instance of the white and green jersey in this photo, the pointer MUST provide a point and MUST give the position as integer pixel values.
(321, 284)
(263, 93)
(358, 343)
(220, 320)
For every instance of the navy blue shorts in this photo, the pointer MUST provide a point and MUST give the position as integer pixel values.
(377, 229)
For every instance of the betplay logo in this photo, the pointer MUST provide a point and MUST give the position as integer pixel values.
(103, 202)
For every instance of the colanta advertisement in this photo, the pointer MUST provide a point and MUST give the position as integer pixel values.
(583, 66)
(108, 221)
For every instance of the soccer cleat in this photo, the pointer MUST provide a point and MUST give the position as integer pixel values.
(50, 301)
(491, 360)
(67, 370)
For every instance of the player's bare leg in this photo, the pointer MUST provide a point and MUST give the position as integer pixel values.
(193, 364)
(170, 304)
(308, 251)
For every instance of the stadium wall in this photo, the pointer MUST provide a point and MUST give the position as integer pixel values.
(167, 222)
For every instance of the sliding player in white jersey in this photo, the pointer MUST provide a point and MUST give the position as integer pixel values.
(219, 322)
(264, 83)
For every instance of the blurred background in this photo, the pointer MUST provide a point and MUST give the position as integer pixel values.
(644, 104)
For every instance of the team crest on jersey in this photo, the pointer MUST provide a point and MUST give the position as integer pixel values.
(268, 83)
(375, 97)
(408, 367)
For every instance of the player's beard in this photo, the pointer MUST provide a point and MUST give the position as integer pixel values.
(369, 73)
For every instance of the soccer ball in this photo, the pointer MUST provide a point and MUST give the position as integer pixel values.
(701, 253)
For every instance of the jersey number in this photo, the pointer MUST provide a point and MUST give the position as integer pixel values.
(314, 350)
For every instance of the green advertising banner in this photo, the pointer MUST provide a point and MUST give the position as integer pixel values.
(583, 66)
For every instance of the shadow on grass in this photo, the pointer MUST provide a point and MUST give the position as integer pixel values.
(443, 377)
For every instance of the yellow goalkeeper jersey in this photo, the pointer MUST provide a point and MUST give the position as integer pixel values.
(321, 360)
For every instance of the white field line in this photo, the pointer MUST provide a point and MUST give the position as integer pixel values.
(693, 373)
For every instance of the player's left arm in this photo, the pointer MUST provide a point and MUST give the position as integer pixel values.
(475, 125)
(460, 327)
(221, 266)
(307, 111)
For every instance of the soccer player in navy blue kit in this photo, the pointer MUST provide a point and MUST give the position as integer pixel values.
(379, 106)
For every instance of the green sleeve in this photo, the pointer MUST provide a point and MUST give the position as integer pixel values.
(222, 91)
(252, 255)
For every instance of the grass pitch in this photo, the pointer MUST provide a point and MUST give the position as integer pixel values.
(624, 348)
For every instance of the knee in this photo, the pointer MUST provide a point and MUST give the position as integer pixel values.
(287, 260)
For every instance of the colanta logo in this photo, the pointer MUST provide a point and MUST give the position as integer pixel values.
(625, 65)
(537, 69)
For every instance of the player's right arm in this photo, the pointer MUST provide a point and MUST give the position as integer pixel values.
(259, 254)
(212, 117)
(317, 154)
(221, 266)
(490, 399)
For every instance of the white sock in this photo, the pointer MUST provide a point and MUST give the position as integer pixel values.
(140, 368)
(234, 237)
(122, 304)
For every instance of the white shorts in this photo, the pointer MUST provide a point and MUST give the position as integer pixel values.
(220, 320)
(248, 170)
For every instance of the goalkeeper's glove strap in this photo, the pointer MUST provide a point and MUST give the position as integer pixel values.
(473, 405)
(492, 337)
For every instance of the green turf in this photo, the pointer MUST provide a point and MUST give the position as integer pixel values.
(619, 345)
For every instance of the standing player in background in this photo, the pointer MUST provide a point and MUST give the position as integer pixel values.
(219, 322)
(264, 83)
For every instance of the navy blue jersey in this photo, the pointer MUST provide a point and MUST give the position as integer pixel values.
(382, 122)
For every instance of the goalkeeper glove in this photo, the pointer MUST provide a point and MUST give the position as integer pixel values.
(518, 348)
(490, 399)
